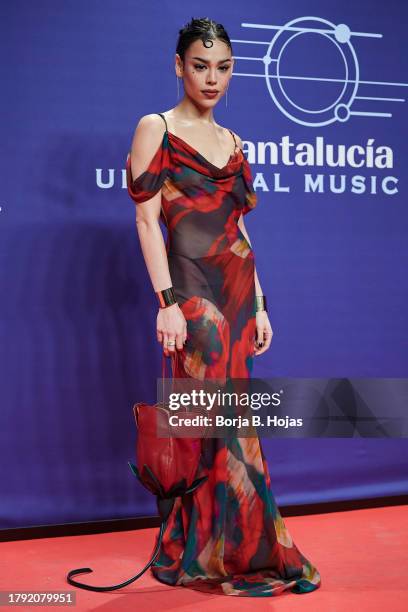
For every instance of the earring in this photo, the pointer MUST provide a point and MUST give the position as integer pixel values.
(226, 96)
(178, 86)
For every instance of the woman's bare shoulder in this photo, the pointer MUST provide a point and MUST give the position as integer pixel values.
(151, 124)
(147, 136)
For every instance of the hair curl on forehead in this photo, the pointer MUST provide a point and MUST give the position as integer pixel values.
(203, 29)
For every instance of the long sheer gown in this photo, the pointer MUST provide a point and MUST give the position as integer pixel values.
(228, 537)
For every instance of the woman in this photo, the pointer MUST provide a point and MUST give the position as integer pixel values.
(185, 169)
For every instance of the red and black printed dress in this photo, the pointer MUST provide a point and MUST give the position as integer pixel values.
(228, 536)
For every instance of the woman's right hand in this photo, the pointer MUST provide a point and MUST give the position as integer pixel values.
(171, 326)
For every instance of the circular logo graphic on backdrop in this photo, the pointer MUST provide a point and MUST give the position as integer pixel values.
(311, 39)
(312, 73)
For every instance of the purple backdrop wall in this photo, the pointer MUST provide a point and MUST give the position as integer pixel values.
(78, 312)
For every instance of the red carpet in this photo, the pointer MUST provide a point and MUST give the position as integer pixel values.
(362, 556)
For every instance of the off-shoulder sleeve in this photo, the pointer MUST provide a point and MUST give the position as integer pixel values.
(250, 194)
(148, 183)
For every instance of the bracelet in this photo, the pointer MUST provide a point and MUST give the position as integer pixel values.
(166, 297)
(261, 303)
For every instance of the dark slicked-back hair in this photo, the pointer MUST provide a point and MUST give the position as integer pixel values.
(203, 29)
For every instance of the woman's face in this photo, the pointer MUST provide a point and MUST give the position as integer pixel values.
(206, 68)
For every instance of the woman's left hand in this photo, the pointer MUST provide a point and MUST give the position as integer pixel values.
(264, 332)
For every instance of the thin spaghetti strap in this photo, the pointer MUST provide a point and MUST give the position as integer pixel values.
(164, 119)
(233, 135)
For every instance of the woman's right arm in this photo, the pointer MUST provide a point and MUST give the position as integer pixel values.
(171, 323)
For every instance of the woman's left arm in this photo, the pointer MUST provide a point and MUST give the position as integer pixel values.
(264, 330)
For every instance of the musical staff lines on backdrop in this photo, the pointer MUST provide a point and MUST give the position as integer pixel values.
(315, 100)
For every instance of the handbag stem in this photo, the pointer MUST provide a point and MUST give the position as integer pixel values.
(163, 373)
